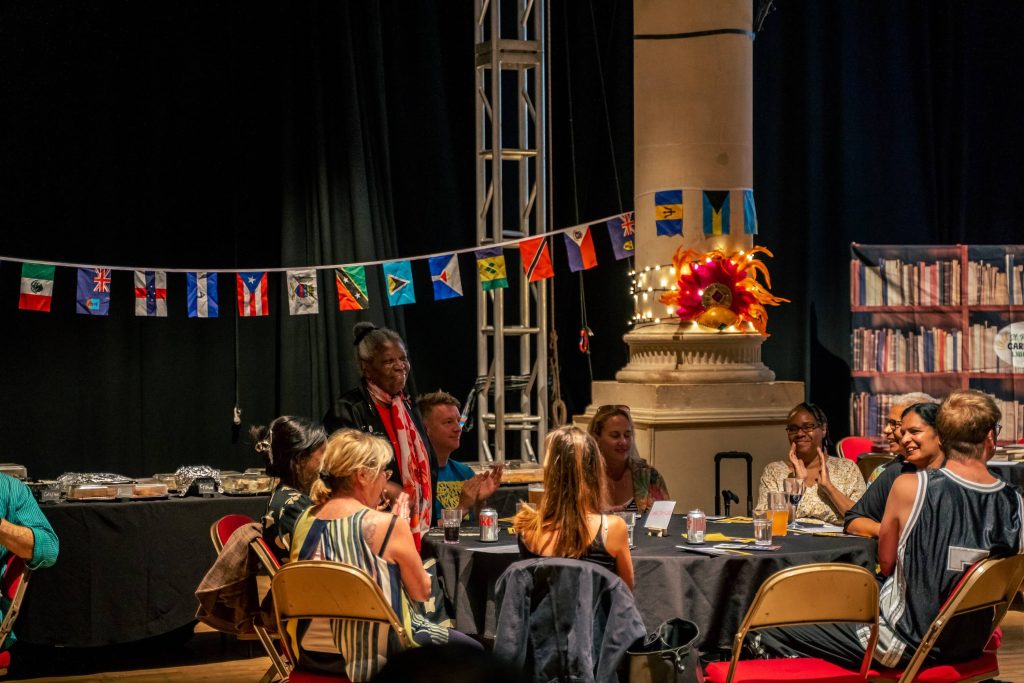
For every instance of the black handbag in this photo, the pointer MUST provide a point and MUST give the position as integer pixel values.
(669, 655)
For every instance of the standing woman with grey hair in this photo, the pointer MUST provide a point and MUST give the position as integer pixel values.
(380, 406)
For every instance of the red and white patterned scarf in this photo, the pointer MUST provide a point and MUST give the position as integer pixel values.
(413, 461)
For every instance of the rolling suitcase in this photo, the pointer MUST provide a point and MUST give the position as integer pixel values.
(732, 455)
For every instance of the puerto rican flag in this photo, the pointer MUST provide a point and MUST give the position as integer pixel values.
(252, 295)
(151, 293)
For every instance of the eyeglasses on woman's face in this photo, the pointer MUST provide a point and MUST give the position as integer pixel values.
(805, 428)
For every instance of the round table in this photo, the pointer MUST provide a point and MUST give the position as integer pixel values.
(714, 592)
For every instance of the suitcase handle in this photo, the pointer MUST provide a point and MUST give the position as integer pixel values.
(733, 455)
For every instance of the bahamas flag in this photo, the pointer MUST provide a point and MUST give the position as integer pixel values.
(490, 263)
(536, 257)
(716, 212)
(668, 212)
(398, 278)
(351, 284)
(749, 214)
(444, 273)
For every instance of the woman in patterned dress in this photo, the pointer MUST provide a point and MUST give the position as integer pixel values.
(632, 484)
(345, 526)
(832, 484)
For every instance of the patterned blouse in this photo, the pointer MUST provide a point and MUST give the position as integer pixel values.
(283, 511)
(648, 485)
(844, 473)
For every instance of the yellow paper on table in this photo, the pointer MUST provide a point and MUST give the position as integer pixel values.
(736, 520)
(717, 537)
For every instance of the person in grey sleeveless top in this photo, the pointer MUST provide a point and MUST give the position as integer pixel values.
(937, 523)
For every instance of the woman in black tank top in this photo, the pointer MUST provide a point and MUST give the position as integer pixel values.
(568, 521)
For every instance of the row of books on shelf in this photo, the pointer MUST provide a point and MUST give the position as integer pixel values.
(922, 350)
(927, 350)
(894, 283)
(868, 413)
(1014, 453)
(992, 285)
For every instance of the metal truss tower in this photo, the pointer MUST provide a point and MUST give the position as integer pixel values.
(511, 203)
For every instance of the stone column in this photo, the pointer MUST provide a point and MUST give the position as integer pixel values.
(694, 391)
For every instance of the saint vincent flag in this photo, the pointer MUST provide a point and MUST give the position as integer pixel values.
(536, 257)
(93, 296)
(351, 283)
(202, 295)
(444, 273)
(668, 212)
(398, 278)
(36, 287)
(302, 293)
(490, 263)
(622, 232)
(749, 214)
(579, 248)
(716, 212)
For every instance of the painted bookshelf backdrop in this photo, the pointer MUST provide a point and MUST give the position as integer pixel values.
(933, 319)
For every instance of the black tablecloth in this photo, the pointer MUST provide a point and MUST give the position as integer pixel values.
(714, 592)
(126, 570)
(1010, 472)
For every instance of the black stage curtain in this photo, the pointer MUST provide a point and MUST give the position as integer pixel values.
(242, 135)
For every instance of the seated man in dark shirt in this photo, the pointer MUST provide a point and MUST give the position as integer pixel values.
(920, 443)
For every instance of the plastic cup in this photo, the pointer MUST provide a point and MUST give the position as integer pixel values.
(534, 493)
(763, 531)
(451, 520)
(778, 501)
(630, 519)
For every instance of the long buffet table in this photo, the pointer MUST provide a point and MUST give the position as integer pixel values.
(126, 570)
(714, 592)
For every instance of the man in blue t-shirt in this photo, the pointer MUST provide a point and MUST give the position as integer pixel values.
(457, 485)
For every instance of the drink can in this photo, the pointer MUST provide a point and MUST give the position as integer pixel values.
(489, 524)
(696, 525)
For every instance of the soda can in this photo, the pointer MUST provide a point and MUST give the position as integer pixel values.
(696, 525)
(489, 525)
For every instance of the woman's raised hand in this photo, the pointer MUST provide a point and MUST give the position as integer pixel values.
(799, 469)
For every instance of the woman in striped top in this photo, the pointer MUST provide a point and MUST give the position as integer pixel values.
(344, 526)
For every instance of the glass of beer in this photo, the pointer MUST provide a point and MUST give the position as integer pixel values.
(534, 493)
(778, 502)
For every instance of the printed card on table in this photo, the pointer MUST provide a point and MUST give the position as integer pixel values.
(660, 514)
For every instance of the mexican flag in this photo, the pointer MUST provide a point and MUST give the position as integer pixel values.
(36, 287)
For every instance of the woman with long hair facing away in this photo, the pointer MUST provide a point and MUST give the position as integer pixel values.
(344, 526)
(291, 448)
(569, 522)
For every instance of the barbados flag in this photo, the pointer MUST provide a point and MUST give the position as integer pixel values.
(490, 263)
(668, 212)
(351, 284)
(398, 279)
(444, 273)
(716, 212)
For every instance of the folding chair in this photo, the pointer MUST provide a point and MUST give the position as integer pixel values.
(220, 532)
(13, 586)
(316, 589)
(869, 462)
(808, 594)
(989, 584)
(852, 447)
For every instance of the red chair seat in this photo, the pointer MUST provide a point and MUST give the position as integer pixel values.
(5, 661)
(300, 676)
(774, 670)
(985, 665)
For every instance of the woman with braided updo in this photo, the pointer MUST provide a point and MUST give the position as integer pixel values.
(291, 448)
(344, 526)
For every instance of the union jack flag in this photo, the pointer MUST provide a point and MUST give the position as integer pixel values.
(101, 280)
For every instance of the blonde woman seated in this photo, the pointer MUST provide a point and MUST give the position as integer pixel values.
(344, 526)
(833, 485)
(632, 483)
(568, 522)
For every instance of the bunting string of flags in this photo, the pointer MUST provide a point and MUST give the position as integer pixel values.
(93, 291)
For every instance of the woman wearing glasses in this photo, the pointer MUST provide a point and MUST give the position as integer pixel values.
(632, 484)
(344, 526)
(833, 485)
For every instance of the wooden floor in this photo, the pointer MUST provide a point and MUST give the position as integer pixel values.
(235, 665)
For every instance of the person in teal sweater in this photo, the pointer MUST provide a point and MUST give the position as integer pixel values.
(24, 531)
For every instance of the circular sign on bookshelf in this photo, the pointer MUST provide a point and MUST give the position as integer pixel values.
(1010, 344)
